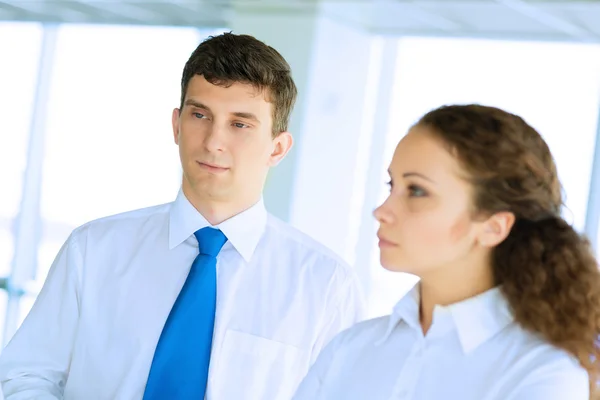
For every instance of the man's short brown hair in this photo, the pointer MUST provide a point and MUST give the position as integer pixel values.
(228, 58)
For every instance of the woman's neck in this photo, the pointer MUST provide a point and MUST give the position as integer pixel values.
(449, 286)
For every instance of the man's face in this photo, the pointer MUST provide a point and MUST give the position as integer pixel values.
(225, 141)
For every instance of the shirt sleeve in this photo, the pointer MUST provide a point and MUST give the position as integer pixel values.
(35, 362)
(349, 308)
(559, 380)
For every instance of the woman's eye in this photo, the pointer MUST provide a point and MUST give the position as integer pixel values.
(416, 191)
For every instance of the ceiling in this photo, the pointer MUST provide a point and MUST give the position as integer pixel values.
(504, 19)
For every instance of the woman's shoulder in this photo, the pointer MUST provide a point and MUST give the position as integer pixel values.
(369, 331)
(539, 351)
(548, 370)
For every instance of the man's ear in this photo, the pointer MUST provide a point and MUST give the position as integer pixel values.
(175, 124)
(281, 146)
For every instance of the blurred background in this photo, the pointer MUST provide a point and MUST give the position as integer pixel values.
(87, 89)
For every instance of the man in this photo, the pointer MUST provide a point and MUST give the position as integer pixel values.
(132, 307)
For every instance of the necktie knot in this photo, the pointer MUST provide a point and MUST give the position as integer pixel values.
(210, 241)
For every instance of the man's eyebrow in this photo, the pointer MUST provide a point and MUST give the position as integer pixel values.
(246, 115)
(239, 114)
(197, 104)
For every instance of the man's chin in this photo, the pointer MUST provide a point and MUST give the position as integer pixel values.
(208, 188)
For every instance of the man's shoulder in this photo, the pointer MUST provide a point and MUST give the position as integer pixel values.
(134, 221)
(302, 244)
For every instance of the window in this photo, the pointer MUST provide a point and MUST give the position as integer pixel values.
(554, 86)
(17, 80)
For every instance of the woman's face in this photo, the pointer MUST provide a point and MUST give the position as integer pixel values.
(426, 222)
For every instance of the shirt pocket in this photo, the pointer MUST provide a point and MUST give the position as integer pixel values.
(255, 368)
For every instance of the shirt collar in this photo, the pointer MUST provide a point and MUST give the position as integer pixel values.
(476, 320)
(407, 310)
(480, 318)
(243, 230)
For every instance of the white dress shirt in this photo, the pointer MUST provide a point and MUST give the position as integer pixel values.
(93, 330)
(474, 350)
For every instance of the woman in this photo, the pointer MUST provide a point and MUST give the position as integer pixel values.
(508, 304)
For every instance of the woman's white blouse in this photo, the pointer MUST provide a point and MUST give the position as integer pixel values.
(473, 351)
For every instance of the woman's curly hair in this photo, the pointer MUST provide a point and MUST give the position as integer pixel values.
(547, 270)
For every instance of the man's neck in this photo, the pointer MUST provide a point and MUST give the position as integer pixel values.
(216, 212)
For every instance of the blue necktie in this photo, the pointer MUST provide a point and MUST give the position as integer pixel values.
(179, 369)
